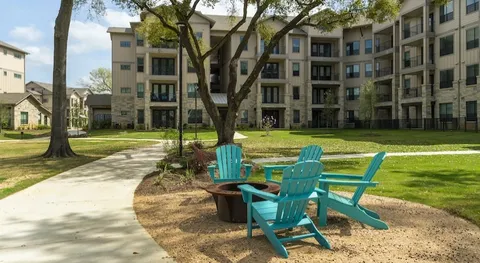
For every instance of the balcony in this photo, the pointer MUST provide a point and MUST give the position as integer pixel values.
(163, 97)
(275, 100)
(167, 48)
(384, 97)
(326, 56)
(410, 93)
(352, 97)
(272, 76)
(350, 75)
(162, 73)
(384, 46)
(414, 64)
(383, 72)
(416, 33)
(413, 31)
(333, 77)
(277, 52)
(166, 45)
(322, 100)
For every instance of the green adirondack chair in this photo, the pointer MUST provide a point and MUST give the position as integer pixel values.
(350, 206)
(286, 210)
(308, 153)
(229, 165)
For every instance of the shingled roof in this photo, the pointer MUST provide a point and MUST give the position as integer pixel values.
(99, 100)
(4, 44)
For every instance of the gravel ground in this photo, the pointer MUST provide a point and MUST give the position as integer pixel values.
(185, 224)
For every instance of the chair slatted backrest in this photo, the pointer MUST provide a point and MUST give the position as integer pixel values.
(368, 176)
(298, 183)
(310, 153)
(229, 161)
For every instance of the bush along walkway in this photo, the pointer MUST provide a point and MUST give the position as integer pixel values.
(82, 215)
(362, 155)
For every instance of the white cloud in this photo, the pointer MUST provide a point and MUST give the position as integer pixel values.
(39, 55)
(119, 19)
(86, 37)
(29, 33)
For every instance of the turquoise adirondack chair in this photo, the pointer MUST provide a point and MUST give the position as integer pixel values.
(229, 165)
(286, 210)
(308, 153)
(350, 206)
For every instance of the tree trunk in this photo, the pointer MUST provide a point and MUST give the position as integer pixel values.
(59, 145)
(226, 129)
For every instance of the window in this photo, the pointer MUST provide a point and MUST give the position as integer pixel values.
(446, 78)
(472, 6)
(140, 116)
(194, 116)
(140, 64)
(353, 93)
(353, 71)
(244, 67)
(17, 76)
(271, 71)
(368, 46)
(270, 94)
(125, 90)
(350, 116)
(124, 113)
(23, 117)
(296, 92)
(296, 116)
(244, 116)
(446, 110)
(192, 90)
(45, 120)
(296, 45)
(199, 35)
(407, 85)
(140, 90)
(124, 67)
(190, 67)
(321, 50)
(139, 40)
(353, 48)
(446, 12)
(472, 38)
(5, 52)
(472, 73)
(163, 92)
(368, 70)
(163, 66)
(321, 72)
(471, 110)
(17, 55)
(446, 45)
(296, 69)
(245, 48)
(125, 44)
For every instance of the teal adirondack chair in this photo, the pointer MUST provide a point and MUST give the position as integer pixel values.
(286, 210)
(350, 206)
(229, 165)
(308, 153)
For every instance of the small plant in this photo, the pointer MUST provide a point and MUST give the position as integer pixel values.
(198, 144)
(268, 122)
(162, 164)
(189, 175)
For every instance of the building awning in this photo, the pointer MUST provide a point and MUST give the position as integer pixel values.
(219, 98)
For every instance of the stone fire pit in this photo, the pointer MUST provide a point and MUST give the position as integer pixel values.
(229, 202)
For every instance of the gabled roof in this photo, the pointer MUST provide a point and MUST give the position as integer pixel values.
(3, 44)
(70, 90)
(99, 100)
(224, 23)
(198, 13)
(17, 98)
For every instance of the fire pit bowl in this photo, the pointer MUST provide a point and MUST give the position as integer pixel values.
(229, 202)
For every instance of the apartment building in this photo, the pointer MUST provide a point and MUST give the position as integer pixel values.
(424, 65)
(12, 69)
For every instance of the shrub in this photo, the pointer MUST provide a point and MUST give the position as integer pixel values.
(43, 127)
(140, 127)
(162, 165)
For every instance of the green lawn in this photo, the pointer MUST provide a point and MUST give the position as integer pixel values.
(449, 182)
(16, 135)
(21, 166)
(289, 143)
(132, 134)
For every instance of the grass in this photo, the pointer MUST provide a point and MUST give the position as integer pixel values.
(16, 135)
(21, 166)
(132, 134)
(448, 182)
(288, 143)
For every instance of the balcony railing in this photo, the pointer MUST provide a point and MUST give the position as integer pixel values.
(334, 77)
(331, 54)
(162, 71)
(170, 45)
(350, 75)
(352, 97)
(472, 8)
(277, 50)
(268, 74)
(384, 72)
(275, 100)
(413, 62)
(163, 97)
(446, 17)
(384, 97)
(322, 100)
(471, 80)
(384, 46)
(413, 31)
(409, 93)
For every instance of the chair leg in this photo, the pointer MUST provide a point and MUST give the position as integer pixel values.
(322, 211)
(268, 174)
(249, 220)
(363, 217)
(369, 212)
(270, 234)
(318, 236)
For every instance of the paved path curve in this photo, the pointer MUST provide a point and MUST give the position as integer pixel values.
(363, 155)
(82, 215)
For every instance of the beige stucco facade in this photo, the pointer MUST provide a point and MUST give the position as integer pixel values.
(403, 57)
(12, 69)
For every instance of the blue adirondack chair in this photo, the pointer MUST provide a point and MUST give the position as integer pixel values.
(308, 153)
(229, 165)
(350, 206)
(286, 210)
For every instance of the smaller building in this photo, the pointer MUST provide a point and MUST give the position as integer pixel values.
(99, 111)
(25, 110)
(12, 69)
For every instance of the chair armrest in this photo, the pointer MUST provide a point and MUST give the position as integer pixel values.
(211, 171)
(276, 167)
(248, 191)
(248, 169)
(347, 183)
(273, 181)
(341, 176)
(319, 191)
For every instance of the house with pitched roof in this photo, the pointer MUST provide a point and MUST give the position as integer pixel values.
(25, 110)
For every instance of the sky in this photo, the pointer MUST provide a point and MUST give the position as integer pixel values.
(29, 26)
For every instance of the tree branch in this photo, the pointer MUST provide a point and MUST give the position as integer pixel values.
(151, 11)
(190, 14)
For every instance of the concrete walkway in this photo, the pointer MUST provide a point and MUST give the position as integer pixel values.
(363, 155)
(82, 215)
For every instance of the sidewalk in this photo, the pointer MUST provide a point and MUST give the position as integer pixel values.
(363, 155)
(82, 215)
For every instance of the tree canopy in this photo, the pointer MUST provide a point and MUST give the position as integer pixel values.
(100, 81)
